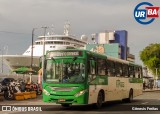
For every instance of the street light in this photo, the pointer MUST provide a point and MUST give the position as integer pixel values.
(31, 67)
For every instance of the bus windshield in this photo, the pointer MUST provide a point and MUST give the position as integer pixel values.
(64, 71)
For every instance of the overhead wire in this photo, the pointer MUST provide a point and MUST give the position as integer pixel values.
(13, 32)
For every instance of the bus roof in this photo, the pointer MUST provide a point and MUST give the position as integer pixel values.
(117, 60)
(100, 55)
(134, 64)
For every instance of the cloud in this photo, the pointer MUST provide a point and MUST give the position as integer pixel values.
(85, 16)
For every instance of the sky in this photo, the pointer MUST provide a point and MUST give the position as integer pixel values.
(19, 17)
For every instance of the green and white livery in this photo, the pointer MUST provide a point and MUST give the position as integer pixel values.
(84, 77)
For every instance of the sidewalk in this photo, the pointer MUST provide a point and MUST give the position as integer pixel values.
(151, 90)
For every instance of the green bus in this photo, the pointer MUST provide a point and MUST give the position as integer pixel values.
(76, 76)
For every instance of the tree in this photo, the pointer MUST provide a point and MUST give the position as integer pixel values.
(150, 57)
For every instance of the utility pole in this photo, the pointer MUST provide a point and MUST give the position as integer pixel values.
(44, 36)
(2, 60)
(32, 47)
(156, 77)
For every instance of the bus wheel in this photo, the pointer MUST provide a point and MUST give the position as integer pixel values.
(130, 99)
(65, 105)
(99, 100)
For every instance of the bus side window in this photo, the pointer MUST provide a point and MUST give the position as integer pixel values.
(92, 71)
(131, 71)
(125, 70)
(121, 69)
(118, 69)
(101, 66)
(92, 67)
(136, 72)
(139, 72)
(110, 68)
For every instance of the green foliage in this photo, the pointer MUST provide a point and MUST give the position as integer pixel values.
(151, 57)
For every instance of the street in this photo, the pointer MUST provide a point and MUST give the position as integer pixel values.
(147, 101)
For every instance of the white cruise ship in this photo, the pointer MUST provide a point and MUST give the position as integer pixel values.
(52, 42)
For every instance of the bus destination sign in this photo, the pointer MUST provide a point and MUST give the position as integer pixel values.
(61, 54)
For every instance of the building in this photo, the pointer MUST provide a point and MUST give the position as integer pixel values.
(112, 43)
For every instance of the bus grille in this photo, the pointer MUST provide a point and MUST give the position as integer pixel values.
(62, 88)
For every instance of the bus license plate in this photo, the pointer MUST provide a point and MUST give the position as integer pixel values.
(61, 100)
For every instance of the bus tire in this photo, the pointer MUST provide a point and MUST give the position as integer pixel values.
(100, 99)
(130, 98)
(65, 105)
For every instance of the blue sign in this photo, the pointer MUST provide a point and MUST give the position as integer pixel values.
(145, 15)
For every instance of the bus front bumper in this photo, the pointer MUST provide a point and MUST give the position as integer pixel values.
(65, 99)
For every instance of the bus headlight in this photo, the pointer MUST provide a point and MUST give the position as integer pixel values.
(80, 93)
(46, 92)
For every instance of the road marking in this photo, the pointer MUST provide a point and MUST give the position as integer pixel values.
(144, 103)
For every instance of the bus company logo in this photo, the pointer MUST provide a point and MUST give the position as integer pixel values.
(145, 13)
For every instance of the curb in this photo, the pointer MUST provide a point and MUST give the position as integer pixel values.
(151, 90)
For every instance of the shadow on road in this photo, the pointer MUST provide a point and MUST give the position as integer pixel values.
(108, 106)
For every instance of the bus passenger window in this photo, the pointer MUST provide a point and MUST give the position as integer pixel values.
(131, 71)
(136, 72)
(92, 67)
(101, 67)
(125, 70)
(121, 71)
(110, 68)
(118, 67)
(139, 72)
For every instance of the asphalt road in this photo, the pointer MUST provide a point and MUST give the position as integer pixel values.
(149, 102)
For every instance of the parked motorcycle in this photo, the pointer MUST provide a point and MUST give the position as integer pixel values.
(11, 88)
(22, 85)
(38, 88)
(9, 91)
(34, 87)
